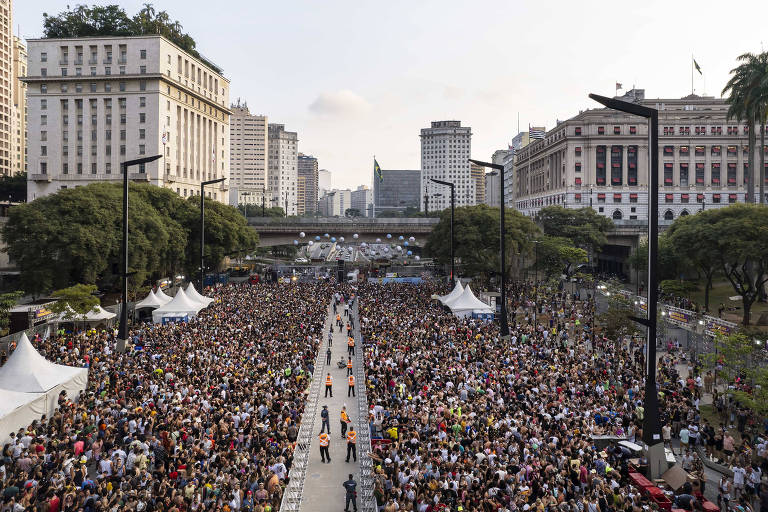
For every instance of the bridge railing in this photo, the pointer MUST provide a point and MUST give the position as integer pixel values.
(346, 221)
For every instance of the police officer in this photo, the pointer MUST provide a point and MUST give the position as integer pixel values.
(351, 390)
(328, 385)
(352, 443)
(325, 440)
(328, 356)
(326, 420)
(351, 487)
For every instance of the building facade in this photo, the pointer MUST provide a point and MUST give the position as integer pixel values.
(445, 151)
(282, 169)
(307, 191)
(362, 200)
(323, 182)
(93, 103)
(599, 158)
(478, 176)
(335, 203)
(249, 147)
(6, 88)
(492, 192)
(397, 190)
(19, 116)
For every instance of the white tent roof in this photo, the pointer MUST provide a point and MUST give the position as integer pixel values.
(95, 315)
(160, 294)
(27, 371)
(181, 305)
(468, 302)
(193, 294)
(151, 301)
(454, 294)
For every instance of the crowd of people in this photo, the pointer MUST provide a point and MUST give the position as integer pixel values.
(198, 416)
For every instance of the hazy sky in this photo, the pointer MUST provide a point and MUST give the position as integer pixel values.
(357, 78)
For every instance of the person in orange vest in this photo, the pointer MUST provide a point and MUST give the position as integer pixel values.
(351, 390)
(349, 366)
(344, 421)
(325, 456)
(328, 385)
(351, 346)
(352, 443)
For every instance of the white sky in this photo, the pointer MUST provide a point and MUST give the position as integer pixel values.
(361, 77)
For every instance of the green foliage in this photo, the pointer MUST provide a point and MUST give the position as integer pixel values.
(75, 301)
(352, 212)
(112, 20)
(691, 239)
(732, 353)
(476, 237)
(7, 301)
(678, 287)
(74, 236)
(556, 256)
(14, 187)
(615, 320)
(584, 226)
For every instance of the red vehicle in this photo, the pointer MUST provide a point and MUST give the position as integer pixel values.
(254, 279)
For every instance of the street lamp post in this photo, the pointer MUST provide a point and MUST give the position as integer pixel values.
(536, 281)
(122, 333)
(202, 227)
(453, 205)
(503, 321)
(651, 426)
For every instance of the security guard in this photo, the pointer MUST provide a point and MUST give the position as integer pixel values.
(328, 385)
(352, 443)
(344, 421)
(328, 356)
(351, 346)
(349, 366)
(351, 495)
(351, 390)
(325, 440)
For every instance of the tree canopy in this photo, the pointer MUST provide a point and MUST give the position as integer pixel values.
(476, 238)
(75, 300)
(14, 187)
(583, 226)
(112, 20)
(74, 236)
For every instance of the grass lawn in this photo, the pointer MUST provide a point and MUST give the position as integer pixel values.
(720, 292)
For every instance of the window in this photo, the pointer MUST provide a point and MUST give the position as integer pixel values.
(685, 150)
(578, 182)
(699, 151)
(122, 86)
(43, 120)
(108, 150)
(79, 71)
(142, 85)
(44, 89)
(107, 70)
(669, 150)
(143, 70)
(600, 163)
(143, 54)
(600, 198)
(122, 118)
(668, 170)
(142, 117)
(684, 198)
(601, 130)
(668, 215)
(93, 168)
(669, 198)
(121, 102)
(617, 130)
(109, 118)
(577, 167)
(716, 198)
(632, 198)
(577, 198)
(122, 134)
(43, 72)
(732, 150)
(617, 158)
(577, 150)
(616, 198)
(616, 215)
(43, 167)
(700, 198)
(142, 149)
(63, 71)
(43, 150)
(78, 87)
(716, 150)
(699, 174)
(577, 130)
(65, 168)
(732, 174)
(43, 104)
(731, 198)
(683, 175)
(633, 130)
(79, 167)
(122, 150)
(142, 101)
(43, 57)
(108, 168)
(715, 173)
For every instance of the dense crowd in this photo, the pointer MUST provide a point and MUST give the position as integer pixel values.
(203, 417)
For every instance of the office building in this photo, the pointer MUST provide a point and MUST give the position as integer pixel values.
(283, 168)
(397, 190)
(445, 151)
(248, 143)
(95, 102)
(478, 175)
(599, 158)
(323, 182)
(307, 184)
(507, 158)
(19, 112)
(492, 184)
(362, 200)
(335, 203)
(7, 87)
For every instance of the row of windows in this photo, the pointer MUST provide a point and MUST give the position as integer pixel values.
(122, 86)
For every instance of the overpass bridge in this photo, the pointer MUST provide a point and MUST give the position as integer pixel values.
(281, 231)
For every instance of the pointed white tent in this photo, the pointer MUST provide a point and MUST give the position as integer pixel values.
(455, 293)
(18, 410)
(29, 372)
(181, 307)
(193, 294)
(467, 303)
(160, 294)
(94, 316)
(151, 301)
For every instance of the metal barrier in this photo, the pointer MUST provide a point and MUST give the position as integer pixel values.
(367, 501)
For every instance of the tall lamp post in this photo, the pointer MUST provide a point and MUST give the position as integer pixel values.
(453, 205)
(202, 227)
(651, 426)
(503, 322)
(122, 333)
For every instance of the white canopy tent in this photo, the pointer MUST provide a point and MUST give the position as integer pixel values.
(18, 410)
(193, 294)
(151, 301)
(94, 317)
(467, 303)
(27, 371)
(454, 294)
(181, 308)
(160, 294)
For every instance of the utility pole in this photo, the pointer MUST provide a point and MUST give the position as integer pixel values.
(426, 201)
(263, 201)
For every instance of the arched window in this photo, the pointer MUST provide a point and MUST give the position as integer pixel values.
(684, 213)
(668, 215)
(617, 215)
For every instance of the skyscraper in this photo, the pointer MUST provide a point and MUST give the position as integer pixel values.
(283, 168)
(362, 200)
(478, 175)
(397, 190)
(445, 151)
(248, 155)
(19, 116)
(6, 88)
(307, 184)
(323, 181)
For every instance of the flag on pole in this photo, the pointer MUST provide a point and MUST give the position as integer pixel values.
(377, 170)
(165, 138)
(213, 154)
(618, 86)
(696, 65)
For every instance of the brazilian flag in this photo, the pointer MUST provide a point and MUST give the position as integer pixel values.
(377, 170)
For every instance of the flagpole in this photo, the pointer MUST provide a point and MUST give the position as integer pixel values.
(691, 74)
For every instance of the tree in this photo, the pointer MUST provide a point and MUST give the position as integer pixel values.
(7, 301)
(352, 212)
(584, 226)
(615, 320)
(476, 236)
(691, 239)
(557, 256)
(14, 187)
(75, 300)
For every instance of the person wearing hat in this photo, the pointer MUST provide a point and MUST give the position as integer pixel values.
(350, 486)
(324, 416)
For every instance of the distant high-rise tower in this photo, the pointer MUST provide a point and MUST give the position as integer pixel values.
(478, 175)
(248, 155)
(6, 88)
(307, 184)
(445, 151)
(282, 172)
(19, 116)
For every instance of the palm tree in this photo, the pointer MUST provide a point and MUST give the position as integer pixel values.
(762, 97)
(747, 103)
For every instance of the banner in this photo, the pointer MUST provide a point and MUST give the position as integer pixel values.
(678, 316)
(714, 326)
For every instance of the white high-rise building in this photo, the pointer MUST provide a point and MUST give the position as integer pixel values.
(248, 156)
(323, 181)
(283, 168)
(7, 87)
(96, 102)
(335, 203)
(362, 200)
(19, 116)
(445, 151)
